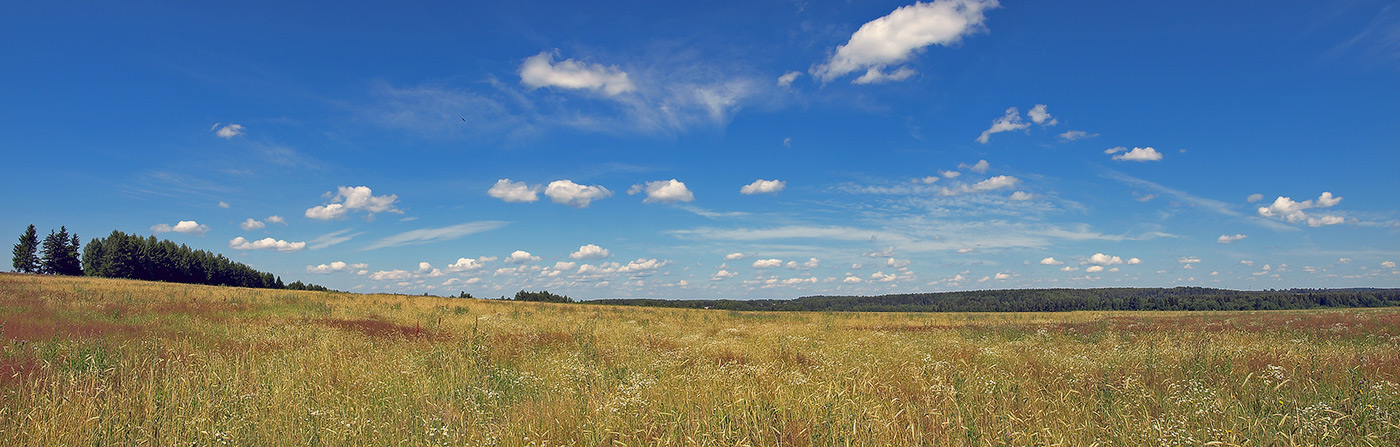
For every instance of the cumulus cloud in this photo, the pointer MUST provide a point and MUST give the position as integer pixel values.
(1134, 261)
(883, 277)
(898, 36)
(239, 243)
(1226, 239)
(1254, 198)
(723, 275)
(277, 219)
(520, 257)
(223, 204)
(851, 279)
(991, 184)
(980, 167)
(1021, 196)
(336, 266)
(762, 186)
(1008, 122)
(1292, 211)
(1073, 135)
(767, 263)
(467, 264)
(1102, 259)
(810, 264)
(540, 70)
(184, 226)
(663, 191)
(948, 174)
(1136, 154)
(250, 225)
(514, 192)
(1094, 269)
(1051, 261)
(566, 192)
(642, 266)
(786, 79)
(358, 198)
(391, 275)
(590, 251)
(733, 256)
(877, 76)
(1041, 116)
(896, 263)
(1388, 264)
(227, 132)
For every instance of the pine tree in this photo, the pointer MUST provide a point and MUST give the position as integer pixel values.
(27, 252)
(53, 251)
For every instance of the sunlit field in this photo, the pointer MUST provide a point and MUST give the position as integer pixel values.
(114, 362)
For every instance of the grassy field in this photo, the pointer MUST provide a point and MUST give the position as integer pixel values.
(110, 362)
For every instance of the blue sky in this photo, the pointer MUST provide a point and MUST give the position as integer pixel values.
(702, 150)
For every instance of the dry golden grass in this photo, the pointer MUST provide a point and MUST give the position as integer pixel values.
(109, 362)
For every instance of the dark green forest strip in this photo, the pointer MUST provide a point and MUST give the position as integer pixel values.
(1052, 300)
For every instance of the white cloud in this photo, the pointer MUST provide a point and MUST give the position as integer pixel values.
(1134, 261)
(1002, 276)
(1226, 239)
(1189, 260)
(762, 186)
(1094, 269)
(991, 184)
(1041, 116)
(431, 235)
(949, 174)
(1051, 261)
(541, 71)
(734, 256)
(1068, 269)
(332, 238)
(1254, 197)
(851, 279)
(520, 257)
(898, 36)
(767, 263)
(590, 251)
(424, 267)
(1139, 154)
(896, 263)
(466, 265)
(1073, 135)
(1388, 264)
(277, 219)
(1102, 259)
(223, 204)
(723, 275)
(1021, 196)
(980, 167)
(1114, 150)
(514, 192)
(229, 131)
(184, 226)
(810, 264)
(642, 266)
(1292, 211)
(786, 79)
(878, 76)
(566, 192)
(883, 277)
(358, 198)
(250, 225)
(966, 250)
(391, 275)
(663, 191)
(1343, 260)
(884, 253)
(337, 266)
(239, 243)
(1008, 122)
(787, 142)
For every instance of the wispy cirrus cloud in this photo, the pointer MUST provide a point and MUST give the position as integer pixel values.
(430, 235)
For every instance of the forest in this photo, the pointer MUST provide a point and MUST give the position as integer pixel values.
(1053, 300)
(121, 255)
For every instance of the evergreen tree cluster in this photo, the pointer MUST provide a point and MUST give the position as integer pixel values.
(59, 255)
(121, 255)
(542, 296)
(1054, 300)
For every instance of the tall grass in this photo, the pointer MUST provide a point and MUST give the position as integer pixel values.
(91, 361)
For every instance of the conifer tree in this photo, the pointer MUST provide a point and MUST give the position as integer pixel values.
(27, 251)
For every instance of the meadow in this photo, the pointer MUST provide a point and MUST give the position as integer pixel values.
(90, 361)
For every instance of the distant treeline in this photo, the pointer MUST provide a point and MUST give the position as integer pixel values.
(1053, 300)
(121, 255)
